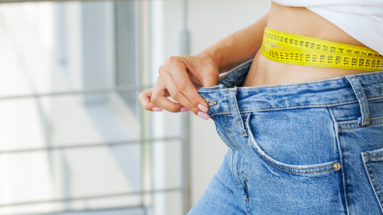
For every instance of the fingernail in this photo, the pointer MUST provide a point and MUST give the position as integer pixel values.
(157, 109)
(202, 108)
(184, 109)
(203, 115)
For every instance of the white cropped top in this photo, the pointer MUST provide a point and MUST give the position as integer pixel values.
(361, 19)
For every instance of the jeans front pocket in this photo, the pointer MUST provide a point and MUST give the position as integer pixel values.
(291, 141)
(373, 163)
(294, 167)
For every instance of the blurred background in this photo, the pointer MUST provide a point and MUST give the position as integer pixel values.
(74, 139)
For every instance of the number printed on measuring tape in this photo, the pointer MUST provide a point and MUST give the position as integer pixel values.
(295, 49)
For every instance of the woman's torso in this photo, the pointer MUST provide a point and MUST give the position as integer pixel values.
(301, 21)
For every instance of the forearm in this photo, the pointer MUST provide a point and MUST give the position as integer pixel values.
(237, 47)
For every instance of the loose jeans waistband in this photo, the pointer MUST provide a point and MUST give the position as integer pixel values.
(225, 97)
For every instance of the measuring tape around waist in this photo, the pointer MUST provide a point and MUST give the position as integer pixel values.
(308, 51)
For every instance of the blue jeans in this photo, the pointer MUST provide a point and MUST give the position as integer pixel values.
(305, 148)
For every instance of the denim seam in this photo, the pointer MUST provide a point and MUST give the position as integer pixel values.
(317, 105)
(375, 98)
(336, 124)
(360, 103)
(361, 126)
(375, 179)
(238, 145)
(246, 184)
(341, 157)
(356, 121)
(300, 173)
(248, 198)
(287, 108)
(234, 137)
(366, 102)
(293, 107)
(358, 91)
(238, 122)
(306, 168)
(350, 122)
(366, 167)
(377, 118)
(232, 160)
(375, 156)
(331, 111)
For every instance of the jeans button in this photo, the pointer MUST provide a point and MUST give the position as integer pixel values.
(336, 166)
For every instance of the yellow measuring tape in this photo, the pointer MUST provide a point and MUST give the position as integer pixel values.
(308, 51)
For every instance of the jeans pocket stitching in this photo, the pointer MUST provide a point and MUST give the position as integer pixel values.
(377, 183)
(301, 173)
(372, 177)
(295, 169)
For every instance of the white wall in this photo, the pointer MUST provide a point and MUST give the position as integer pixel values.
(210, 21)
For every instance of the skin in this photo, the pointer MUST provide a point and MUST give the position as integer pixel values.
(181, 76)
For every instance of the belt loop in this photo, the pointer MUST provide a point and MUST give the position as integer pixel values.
(359, 92)
(234, 107)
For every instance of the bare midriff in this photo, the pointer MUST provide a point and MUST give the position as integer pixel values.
(301, 21)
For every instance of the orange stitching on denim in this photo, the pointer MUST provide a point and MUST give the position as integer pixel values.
(372, 121)
(377, 118)
(374, 156)
(346, 123)
(306, 168)
(375, 98)
(292, 171)
(365, 110)
(233, 112)
(290, 107)
(361, 126)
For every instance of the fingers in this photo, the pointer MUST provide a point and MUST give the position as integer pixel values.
(160, 100)
(174, 92)
(184, 87)
(145, 100)
(179, 78)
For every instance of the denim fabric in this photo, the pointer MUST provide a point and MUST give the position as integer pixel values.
(305, 148)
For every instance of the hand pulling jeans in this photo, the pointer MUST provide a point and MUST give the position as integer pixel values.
(305, 148)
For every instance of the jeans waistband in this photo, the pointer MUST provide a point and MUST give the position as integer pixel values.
(322, 93)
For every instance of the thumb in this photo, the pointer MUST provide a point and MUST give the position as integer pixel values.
(210, 79)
